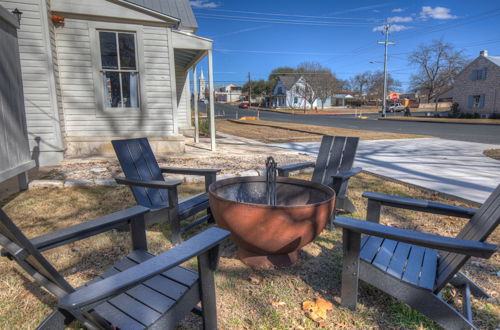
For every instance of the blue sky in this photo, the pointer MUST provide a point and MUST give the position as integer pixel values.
(259, 35)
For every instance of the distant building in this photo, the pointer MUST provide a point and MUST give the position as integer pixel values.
(286, 93)
(203, 86)
(227, 94)
(477, 86)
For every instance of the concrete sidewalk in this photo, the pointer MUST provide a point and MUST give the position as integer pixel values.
(452, 167)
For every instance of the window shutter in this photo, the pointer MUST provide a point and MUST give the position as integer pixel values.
(485, 70)
(470, 101)
(472, 75)
(481, 101)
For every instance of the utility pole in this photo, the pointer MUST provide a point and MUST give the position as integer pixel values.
(249, 91)
(385, 43)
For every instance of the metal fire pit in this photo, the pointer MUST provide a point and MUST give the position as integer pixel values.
(268, 235)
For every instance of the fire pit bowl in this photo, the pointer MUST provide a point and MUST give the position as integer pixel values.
(267, 235)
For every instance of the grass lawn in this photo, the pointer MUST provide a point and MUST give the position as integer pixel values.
(247, 299)
(273, 132)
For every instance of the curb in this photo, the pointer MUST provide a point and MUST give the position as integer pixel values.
(437, 122)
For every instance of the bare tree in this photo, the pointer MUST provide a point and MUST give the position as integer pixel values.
(359, 82)
(305, 91)
(376, 84)
(319, 82)
(438, 64)
(327, 87)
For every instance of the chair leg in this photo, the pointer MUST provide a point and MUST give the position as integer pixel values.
(58, 319)
(350, 269)
(208, 301)
(460, 280)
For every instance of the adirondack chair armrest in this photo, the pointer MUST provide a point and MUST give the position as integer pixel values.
(88, 228)
(347, 175)
(158, 184)
(286, 169)
(443, 243)
(86, 297)
(419, 205)
(190, 171)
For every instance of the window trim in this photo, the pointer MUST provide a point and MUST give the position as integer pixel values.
(101, 110)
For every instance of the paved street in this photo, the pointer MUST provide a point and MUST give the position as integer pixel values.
(453, 167)
(461, 132)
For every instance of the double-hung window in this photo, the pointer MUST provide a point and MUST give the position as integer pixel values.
(120, 75)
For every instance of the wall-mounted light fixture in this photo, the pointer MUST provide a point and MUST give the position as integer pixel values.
(57, 20)
(18, 14)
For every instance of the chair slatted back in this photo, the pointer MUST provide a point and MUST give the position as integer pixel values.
(29, 258)
(480, 226)
(139, 163)
(336, 155)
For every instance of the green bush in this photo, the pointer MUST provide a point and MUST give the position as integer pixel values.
(204, 125)
(454, 111)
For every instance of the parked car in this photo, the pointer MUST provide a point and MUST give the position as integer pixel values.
(396, 107)
(243, 105)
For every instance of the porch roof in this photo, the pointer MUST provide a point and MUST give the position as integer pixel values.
(189, 49)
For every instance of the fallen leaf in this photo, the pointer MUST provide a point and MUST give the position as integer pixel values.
(278, 303)
(316, 310)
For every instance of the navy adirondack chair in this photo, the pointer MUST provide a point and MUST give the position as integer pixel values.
(333, 167)
(414, 267)
(152, 190)
(141, 291)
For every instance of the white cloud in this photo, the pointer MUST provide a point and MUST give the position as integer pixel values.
(436, 13)
(203, 4)
(398, 10)
(392, 28)
(399, 19)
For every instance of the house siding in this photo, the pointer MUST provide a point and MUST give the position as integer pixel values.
(76, 72)
(464, 86)
(183, 97)
(42, 115)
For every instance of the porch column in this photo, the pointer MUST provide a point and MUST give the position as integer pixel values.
(212, 106)
(195, 101)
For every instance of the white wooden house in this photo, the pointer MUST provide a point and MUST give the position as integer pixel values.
(96, 70)
(286, 92)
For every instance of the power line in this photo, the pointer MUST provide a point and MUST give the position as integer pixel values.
(291, 15)
(283, 21)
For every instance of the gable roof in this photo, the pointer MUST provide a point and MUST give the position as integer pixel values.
(180, 9)
(494, 59)
(287, 81)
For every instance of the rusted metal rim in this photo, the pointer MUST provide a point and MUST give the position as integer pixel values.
(248, 179)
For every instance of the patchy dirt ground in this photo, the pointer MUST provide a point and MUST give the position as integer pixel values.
(247, 299)
(492, 153)
(234, 155)
(272, 132)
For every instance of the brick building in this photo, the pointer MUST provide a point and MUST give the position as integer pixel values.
(477, 86)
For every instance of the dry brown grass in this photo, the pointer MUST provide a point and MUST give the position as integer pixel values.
(272, 132)
(446, 120)
(274, 302)
(492, 153)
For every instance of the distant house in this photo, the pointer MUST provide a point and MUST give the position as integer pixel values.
(97, 70)
(227, 94)
(286, 92)
(477, 87)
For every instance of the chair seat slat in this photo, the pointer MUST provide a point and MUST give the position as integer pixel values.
(370, 248)
(412, 271)
(385, 254)
(399, 259)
